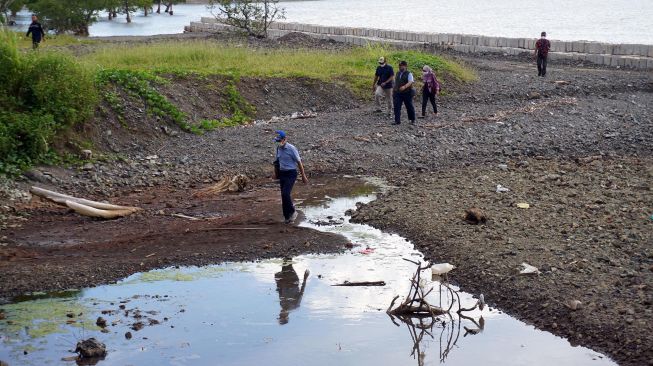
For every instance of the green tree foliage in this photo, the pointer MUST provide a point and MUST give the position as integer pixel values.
(41, 94)
(252, 16)
(71, 15)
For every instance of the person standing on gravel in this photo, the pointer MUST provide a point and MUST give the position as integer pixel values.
(403, 93)
(37, 32)
(542, 47)
(382, 86)
(288, 161)
(430, 89)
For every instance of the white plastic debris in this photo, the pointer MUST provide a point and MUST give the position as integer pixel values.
(528, 269)
(502, 189)
(441, 268)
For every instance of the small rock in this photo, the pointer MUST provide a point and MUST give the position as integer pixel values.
(101, 322)
(88, 166)
(573, 304)
(475, 215)
(91, 348)
(128, 335)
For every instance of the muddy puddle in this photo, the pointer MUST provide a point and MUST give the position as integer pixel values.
(266, 313)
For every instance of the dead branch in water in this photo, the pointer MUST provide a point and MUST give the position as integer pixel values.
(421, 317)
(363, 283)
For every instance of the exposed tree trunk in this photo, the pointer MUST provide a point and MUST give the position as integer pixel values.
(129, 19)
(145, 11)
(110, 14)
(170, 7)
(158, 8)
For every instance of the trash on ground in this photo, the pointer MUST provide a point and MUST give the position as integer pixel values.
(502, 189)
(528, 269)
(363, 283)
(523, 205)
(441, 268)
(367, 250)
(304, 114)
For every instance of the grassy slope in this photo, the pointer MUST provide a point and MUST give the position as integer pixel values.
(353, 66)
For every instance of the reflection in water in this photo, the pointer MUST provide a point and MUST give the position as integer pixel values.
(290, 293)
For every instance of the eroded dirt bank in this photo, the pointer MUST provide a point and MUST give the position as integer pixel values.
(577, 150)
(56, 250)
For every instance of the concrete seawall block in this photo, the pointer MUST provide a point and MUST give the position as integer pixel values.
(457, 38)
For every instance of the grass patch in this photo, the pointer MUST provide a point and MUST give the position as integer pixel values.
(58, 40)
(355, 67)
(140, 84)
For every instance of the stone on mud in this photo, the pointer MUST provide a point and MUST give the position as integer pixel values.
(91, 348)
(475, 215)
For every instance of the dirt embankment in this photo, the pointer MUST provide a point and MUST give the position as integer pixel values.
(54, 249)
(575, 146)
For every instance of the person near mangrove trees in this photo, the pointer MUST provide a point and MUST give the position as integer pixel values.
(37, 32)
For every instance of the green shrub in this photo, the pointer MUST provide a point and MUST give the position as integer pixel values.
(41, 95)
(55, 84)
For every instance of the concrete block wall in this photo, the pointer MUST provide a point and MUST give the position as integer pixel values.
(637, 56)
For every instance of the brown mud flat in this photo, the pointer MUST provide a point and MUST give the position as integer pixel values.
(57, 249)
(588, 230)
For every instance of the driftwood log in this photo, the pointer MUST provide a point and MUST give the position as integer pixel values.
(85, 207)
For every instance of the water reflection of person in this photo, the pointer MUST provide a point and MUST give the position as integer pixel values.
(290, 293)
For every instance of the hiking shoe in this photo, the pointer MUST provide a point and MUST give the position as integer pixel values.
(412, 121)
(293, 217)
(395, 123)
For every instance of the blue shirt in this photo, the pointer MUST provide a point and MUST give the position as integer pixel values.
(288, 157)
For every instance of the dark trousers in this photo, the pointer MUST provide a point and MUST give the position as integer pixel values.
(428, 96)
(541, 65)
(407, 99)
(287, 180)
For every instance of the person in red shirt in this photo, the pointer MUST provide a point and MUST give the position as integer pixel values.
(542, 47)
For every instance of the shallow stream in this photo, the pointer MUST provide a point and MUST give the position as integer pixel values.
(264, 313)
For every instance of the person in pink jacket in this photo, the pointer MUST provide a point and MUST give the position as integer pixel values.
(430, 89)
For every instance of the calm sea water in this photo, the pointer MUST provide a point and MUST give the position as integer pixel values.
(617, 21)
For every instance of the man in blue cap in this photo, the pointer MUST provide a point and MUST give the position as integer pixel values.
(289, 161)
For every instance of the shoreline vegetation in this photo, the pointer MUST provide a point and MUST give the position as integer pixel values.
(107, 72)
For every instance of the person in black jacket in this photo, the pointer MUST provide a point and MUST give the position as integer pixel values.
(403, 93)
(37, 32)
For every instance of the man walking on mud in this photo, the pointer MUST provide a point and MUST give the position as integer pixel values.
(37, 32)
(403, 93)
(382, 86)
(288, 160)
(542, 47)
